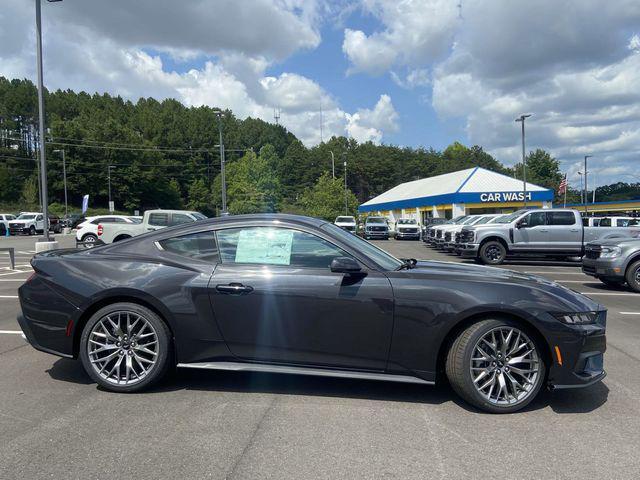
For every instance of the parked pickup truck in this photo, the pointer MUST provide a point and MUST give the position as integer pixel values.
(534, 233)
(614, 262)
(152, 220)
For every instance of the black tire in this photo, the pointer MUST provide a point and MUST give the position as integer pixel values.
(90, 238)
(164, 359)
(458, 364)
(32, 230)
(492, 252)
(633, 276)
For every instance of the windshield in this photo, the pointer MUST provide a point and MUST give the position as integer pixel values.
(26, 217)
(511, 217)
(495, 219)
(458, 220)
(476, 220)
(407, 221)
(198, 215)
(376, 220)
(135, 219)
(345, 219)
(382, 258)
(468, 221)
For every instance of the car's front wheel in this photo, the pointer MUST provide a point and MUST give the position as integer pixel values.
(32, 230)
(633, 276)
(496, 366)
(492, 253)
(125, 347)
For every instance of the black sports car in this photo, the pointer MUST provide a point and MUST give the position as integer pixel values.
(297, 295)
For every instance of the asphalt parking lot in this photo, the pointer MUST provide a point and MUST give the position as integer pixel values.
(55, 423)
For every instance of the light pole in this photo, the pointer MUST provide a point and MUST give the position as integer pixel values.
(43, 158)
(586, 200)
(64, 179)
(333, 164)
(109, 168)
(521, 119)
(346, 206)
(222, 164)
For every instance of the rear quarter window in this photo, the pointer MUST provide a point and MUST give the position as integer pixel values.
(199, 246)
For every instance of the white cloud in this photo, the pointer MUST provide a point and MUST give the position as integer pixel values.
(368, 125)
(98, 46)
(415, 32)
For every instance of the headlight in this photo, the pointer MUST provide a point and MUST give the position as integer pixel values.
(578, 318)
(610, 252)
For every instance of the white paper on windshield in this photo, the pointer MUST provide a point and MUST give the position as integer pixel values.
(265, 245)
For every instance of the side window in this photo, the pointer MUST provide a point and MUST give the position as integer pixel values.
(119, 220)
(276, 246)
(178, 218)
(200, 246)
(159, 219)
(622, 222)
(561, 218)
(39, 218)
(605, 222)
(585, 222)
(536, 218)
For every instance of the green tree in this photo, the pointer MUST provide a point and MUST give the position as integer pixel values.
(542, 169)
(29, 196)
(199, 198)
(326, 199)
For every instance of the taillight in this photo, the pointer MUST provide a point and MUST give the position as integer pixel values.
(99, 230)
(31, 277)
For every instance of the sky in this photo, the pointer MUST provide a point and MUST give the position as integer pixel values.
(420, 73)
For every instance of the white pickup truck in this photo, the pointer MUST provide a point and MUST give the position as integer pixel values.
(152, 220)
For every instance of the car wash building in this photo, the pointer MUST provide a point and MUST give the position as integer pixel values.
(466, 192)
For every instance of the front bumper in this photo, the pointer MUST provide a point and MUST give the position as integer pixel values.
(468, 249)
(604, 267)
(415, 235)
(371, 234)
(578, 357)
(18, 230)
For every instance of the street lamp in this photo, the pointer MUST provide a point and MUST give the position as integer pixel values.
(109, 168)
(222, 164)
(64, 179)
(585, 182)
(521, 119)
(346, 205)
(43, 158)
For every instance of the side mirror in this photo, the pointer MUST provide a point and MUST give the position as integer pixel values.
(345, 265)
(522, 224)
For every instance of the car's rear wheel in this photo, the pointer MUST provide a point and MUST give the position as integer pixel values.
(492, 253)
(89, 239)
(125, 347)
(496, 365)
(633, 276)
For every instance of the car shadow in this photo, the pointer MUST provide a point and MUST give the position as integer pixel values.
(560, 401)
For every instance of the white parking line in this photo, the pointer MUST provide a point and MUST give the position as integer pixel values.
(13, 279)
(571, 281)
(8, 296)
(619, 294)
(554, 273)
(11, 332)
(13, 273)
(629, 313)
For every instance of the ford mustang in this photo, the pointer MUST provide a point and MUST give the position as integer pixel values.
(296, 295)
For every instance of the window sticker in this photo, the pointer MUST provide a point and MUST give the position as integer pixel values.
(264, 245)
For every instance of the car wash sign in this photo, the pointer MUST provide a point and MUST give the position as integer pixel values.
(504, 197)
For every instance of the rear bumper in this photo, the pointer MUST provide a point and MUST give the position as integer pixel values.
(49, 347)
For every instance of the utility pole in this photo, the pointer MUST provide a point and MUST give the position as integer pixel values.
(64, 179)
(43, 155)
(109, 180)
(346, 206)
(521, 119)
(581, 188)
(333, 165)
(222, 164)
(585, 183)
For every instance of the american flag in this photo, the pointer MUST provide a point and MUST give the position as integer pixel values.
(562, 189)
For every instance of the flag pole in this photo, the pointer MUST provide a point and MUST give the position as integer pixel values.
(565, 190)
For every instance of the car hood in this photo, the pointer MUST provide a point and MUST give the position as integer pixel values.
(630, 241)
(536, 287)
(22, 221)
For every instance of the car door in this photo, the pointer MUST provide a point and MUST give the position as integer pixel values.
(39, 222)
(565, 233)
(275, 299)
(533, 233)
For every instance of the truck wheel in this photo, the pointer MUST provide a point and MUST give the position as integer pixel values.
(633, 276)
(492, 253)
(32, 230)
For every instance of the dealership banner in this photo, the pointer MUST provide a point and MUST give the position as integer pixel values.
(85, 203)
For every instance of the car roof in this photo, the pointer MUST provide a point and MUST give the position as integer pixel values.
(162, 210)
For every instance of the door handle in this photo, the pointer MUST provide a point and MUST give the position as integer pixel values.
(234, 288)
(575, 230)
(544, 231)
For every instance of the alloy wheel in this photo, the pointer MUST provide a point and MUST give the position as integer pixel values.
(123, 347)
(505, 366)
(494, 252)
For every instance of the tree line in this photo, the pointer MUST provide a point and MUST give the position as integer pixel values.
(165, 154)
